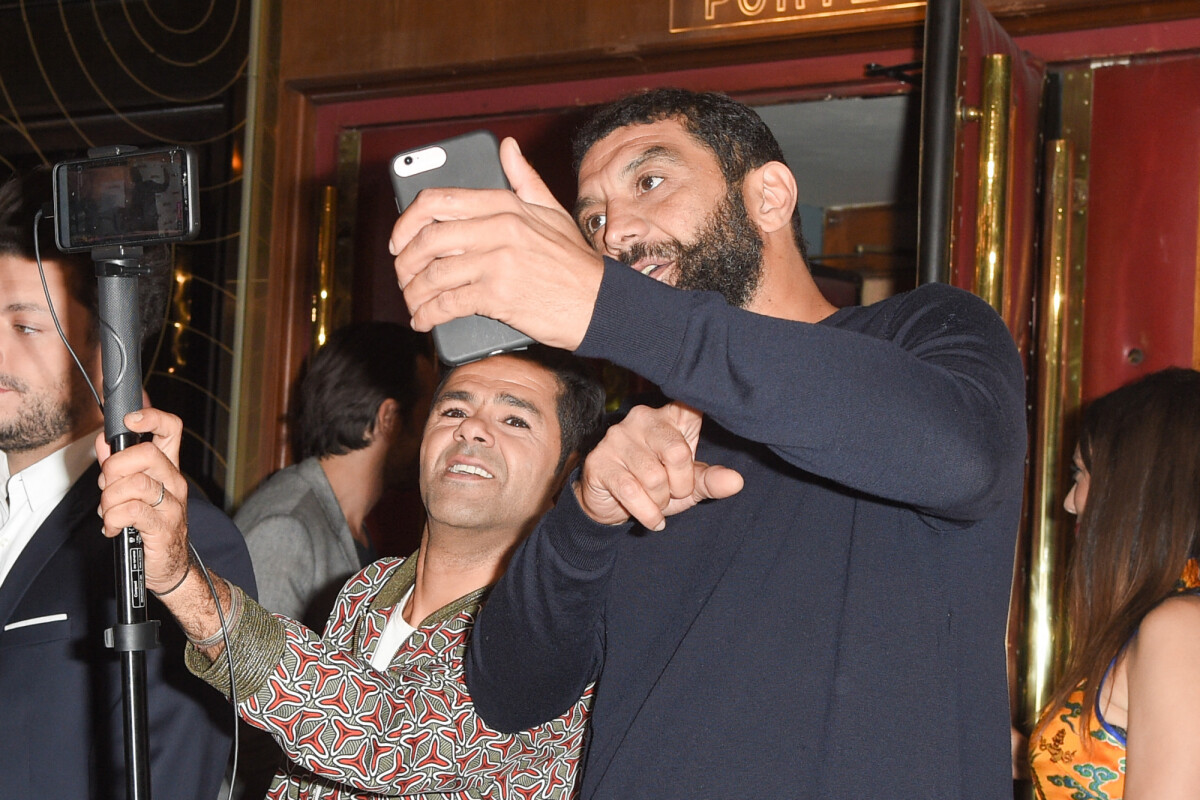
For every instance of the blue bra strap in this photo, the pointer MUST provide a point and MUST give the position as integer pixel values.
(1112, 730)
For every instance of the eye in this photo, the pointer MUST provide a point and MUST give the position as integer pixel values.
(648, 183)
(27, 330)
(453, 412)
(516, 422)
(593, 224)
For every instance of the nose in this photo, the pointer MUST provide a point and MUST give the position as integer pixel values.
(623, 227)
(474, 430)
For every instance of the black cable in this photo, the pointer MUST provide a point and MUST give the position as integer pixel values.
(37, 254)
(228, 661)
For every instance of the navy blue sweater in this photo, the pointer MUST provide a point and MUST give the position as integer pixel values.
(835, 630)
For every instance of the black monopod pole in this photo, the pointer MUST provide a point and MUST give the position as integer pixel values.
(117, 269)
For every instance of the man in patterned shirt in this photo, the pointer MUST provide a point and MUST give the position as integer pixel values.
(378, 705)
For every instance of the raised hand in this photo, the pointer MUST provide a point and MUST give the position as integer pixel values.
(513, 256)
(646, 468)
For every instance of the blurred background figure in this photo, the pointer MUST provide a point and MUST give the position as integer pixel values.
(1121, 721)
(361, 406)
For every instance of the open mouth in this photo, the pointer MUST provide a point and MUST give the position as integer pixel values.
(656, 270)
(469, 469)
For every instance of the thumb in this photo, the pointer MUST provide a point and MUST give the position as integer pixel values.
(523, 178)
(714, 482)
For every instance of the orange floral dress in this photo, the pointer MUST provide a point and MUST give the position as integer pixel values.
(1062, 767)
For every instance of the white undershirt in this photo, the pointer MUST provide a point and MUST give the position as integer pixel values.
(394, 635)
(31, 494)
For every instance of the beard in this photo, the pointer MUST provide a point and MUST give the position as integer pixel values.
(725, 257)
(42, 418)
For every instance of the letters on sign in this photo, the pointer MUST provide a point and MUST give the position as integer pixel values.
(689, 15)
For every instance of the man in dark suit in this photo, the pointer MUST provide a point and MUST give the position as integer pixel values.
(60, 687)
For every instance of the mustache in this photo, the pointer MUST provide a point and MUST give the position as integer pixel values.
(469, 450)
(669, 249)
(12, 383)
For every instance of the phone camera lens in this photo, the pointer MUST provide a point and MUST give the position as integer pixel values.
(408, 159)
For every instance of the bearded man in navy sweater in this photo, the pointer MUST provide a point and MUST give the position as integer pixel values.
(831, 623)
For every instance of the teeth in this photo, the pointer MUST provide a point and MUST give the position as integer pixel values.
(649, 269)
(468, 469)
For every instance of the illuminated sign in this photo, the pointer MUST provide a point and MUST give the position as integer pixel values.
(690, 15)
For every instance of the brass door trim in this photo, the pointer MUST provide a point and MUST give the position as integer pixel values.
(334, 279)
(326, 248)
(991, 220)
(1043, 640)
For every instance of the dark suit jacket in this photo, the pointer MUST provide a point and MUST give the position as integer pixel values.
(61, 727)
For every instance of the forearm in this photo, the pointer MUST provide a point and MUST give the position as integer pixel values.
(920, 406)
(195, 609)
(338, 718)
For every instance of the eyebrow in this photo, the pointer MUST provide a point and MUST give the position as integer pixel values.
(657, 152)
(19, 307)
(516, 402)
(504, 398)
(454, 394)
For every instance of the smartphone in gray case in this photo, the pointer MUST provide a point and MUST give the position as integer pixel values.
(469, 161)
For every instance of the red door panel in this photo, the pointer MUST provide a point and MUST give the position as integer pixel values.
(1143, 211)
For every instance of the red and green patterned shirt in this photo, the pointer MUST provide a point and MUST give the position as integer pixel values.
(352, 732)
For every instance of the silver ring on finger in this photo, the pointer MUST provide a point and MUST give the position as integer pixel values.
(162, 492)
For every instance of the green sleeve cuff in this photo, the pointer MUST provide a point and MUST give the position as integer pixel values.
(256, 644)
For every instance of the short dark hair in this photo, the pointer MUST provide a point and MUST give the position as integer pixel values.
(580, 402)
(30, 191)
(348, 378)
(732, 131)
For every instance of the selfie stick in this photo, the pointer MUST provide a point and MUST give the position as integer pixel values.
(118, 268)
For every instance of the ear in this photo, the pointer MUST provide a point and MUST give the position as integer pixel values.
(387, 419)
(771, 194)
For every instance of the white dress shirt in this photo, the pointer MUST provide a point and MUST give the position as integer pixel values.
(34, 492)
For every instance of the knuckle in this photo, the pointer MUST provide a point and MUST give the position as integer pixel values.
(654, 480)
(512, 224)
(433, 194)
(638, 414)
(677, 454)
(421, 239)
(625, 486)
(448, 302)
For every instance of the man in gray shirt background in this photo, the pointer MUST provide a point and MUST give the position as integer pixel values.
(361, 408)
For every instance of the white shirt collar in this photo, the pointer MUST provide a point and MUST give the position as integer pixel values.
(44, 484)
(34, 492)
